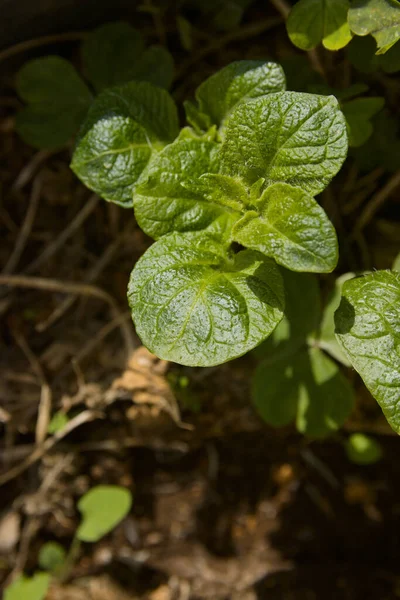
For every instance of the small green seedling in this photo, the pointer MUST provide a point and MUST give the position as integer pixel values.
(57, 98)
(102, 508)
(333, 22)
(28, 588)
(362, 449)
(226, 199)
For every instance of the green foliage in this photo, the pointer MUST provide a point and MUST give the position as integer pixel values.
(368, 330)
(358, 115)
(382, 148)
(361, 52)
(327, 338)
(313, 21)
(58, 422)
(396, 264)
(307, 388)
(238, 82)
(197, 303)
(124, 127)
(115, 54)
(295, 380)
(28, 588)
(52, 557)
(380, 18)
(102, 508)
(363, 449)
(245, 174)
(57, 101)
(57, 97)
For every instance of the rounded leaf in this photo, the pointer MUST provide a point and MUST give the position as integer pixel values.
(287, 137)
(124, 127)
(363, 449)
(196, 303)
(103, 508)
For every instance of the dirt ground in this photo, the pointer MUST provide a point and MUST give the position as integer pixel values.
(224, 506)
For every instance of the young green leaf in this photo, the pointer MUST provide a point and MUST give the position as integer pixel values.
(110, 54)
(57, 101)
(313, 21)
(380, 18)
(196, 303)
(28, 588)
(125, 126)
(218, 95)
(363, 449)
(307, 388)
(51, 557)
(290, 227)
(368, 330)
(358, 115)
(171, 198)
(396, 264)
(286, 137)
(102, 508)
(156, 65)
(327, 339)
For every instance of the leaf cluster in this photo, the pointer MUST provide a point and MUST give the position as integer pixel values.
(227, 199)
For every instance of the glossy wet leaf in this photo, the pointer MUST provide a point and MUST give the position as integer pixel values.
(125, 126)
(171, 198)
(313, 21)
(289, 226)
(287, 137)
(363, 449)
(307, 388)
(57, 101)
(51, 556)
(28, 588)
(196, 303)
(358, 113)
(102, 508)
(380, 18)
(218, 95)
(368, 330)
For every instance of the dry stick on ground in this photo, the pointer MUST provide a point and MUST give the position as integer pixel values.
(376, 203)
(71, 36)
(60, 240)
(26, 228)
(44, 411)
(68, 287)
(40, 451)
(243, 33)
(30, 169)
(92, 275)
